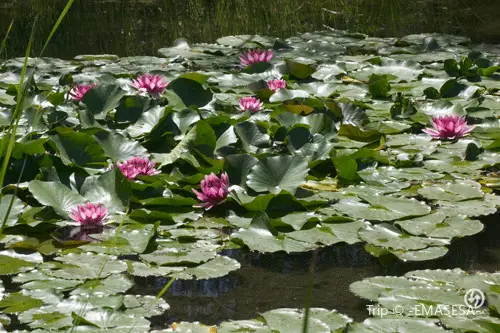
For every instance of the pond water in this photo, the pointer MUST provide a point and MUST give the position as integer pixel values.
(269, 281)
(141, 27)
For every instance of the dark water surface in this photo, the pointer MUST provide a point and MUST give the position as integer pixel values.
(271, 281)
(140, 27)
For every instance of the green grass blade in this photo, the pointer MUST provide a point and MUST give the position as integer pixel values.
(312, 270)
(4, 41)
(21, 92)
(11, 132)
(56, 25)
(160, 294)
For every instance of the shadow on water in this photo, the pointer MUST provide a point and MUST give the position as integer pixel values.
(141, 27)
(270, 281)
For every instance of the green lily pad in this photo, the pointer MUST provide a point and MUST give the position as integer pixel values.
(274, 174)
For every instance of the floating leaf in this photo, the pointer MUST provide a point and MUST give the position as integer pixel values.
(274, 174)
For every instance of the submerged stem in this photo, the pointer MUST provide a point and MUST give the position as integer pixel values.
(312, 270)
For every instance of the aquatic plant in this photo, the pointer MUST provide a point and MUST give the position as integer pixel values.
(214, 190)
(153, 84)
(89, 213)
(275, 85)
(448, 127)
(137, 166)
(255, 56)
(78, 91)
(336, 160)
(250, 104)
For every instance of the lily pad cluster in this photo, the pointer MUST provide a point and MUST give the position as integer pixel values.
(152, 166)
(428, 296)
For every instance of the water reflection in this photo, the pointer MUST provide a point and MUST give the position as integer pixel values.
(140, 27)
(74, 235)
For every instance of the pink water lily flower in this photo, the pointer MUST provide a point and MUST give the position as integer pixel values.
(137, 166)
(89, 213)
(275, 85)
(214, 190)
(254, 56)
(80, 90)
(152, 84)
(250, 103)
(448, 127)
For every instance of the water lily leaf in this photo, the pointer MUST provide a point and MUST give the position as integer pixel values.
(480, 324)
(141, 269)
(452, 88)
(395, 70)
(144, 306)
(131, 108)
(238, 166)
(440, 226)
(147, 122)
(12, 265)
(328, 72)
(102, 99)
(251, 136)
(227, 138)
(79, 148)
(408, 298)
(201, 138)
(318, 236)
(319, 89)
(258, 68)
(180, 149)
(191, 92)
(217, 267)
(457, 191)
(471, 208)
(382, 208)
(345, 231)
(379, 86)
(384, 175)
(109, 319)
(430, 253)
(401, 140)
(346, 167)
(260, 237)
(291, 320)
(177, 253)
(128, 239)
(300, 68)
(16, 209)
(372, 288)
(297, 220)
(287, 94)
(385, 235)
(349, 113)
(111, 285)
(56, 195)
(184, 119)
(440, 108)
(87, 266)
(246, 41)
(111, 189)
(274, 174)
(46, 282)
(355, 133)
(117, 147)
(17, 302)
(386, 325)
